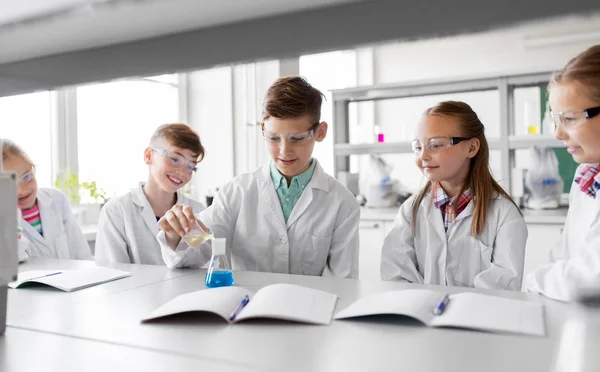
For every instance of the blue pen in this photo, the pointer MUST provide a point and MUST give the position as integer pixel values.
(242, 304)
(441, 306)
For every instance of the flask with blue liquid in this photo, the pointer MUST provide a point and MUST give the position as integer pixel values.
(219, 273)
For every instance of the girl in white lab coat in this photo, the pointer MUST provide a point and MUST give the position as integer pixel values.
(462, 228)
(48, 226)
(127, 226)
(574, 96)
(288, 216)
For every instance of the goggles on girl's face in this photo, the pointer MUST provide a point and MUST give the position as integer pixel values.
(26, 177)
(573, 119)
(436, 144)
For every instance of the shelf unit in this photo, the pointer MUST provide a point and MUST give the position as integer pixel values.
(507, 143)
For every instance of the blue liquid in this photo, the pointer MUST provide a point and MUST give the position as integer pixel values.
(218, 279)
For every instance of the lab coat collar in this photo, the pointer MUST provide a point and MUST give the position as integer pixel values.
(434, 216)
(44, 204)
(268, 193)
(139, 198)
(318, 181)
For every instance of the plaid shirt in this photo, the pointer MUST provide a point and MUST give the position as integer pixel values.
(589, 179)
(444, 204)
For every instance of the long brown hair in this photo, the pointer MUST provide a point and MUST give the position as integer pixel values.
(479, 180)
(583, 70)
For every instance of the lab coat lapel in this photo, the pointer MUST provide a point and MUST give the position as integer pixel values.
(468, 211)
(434, 218)
(48, 220)
(148, 215)
(318, 181)
(268, 193)
(31, 232)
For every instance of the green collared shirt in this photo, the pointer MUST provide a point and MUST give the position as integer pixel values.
(289, 196)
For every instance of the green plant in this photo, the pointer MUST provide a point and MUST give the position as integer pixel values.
(96, 193)
(68, 183)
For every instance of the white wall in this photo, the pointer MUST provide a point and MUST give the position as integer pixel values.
(487, 53)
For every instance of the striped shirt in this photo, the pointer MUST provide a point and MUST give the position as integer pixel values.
(32, 216)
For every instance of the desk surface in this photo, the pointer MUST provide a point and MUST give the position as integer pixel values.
(51, 352)
(110, 314)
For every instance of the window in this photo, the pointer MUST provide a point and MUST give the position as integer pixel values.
(327, 71)
(114, 124)
(27, 120)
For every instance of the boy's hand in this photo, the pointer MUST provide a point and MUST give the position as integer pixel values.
(177, 222)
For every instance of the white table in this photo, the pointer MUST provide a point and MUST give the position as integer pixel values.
(110, 314)
(32, 351)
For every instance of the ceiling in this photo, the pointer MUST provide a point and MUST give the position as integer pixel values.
(34, 28)
(60, 43)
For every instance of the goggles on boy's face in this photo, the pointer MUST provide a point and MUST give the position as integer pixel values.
(292, 138)
(573, 119)
(176, 159)
(436, 144)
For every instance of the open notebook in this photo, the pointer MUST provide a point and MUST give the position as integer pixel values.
(277, 301)
(69, 280)
(464, 310)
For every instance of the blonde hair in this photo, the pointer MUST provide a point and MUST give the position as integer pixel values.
(9, 148)
(584, 70)
(479, 180)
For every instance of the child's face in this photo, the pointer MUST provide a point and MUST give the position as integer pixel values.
(26, 182)
(443, 162)
(583, 135)
(290, 142)
(170, 166)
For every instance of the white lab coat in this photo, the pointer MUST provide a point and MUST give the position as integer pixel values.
(319, 238)
(62, 237)
(493, 260)
(576, 259)
(127, 229)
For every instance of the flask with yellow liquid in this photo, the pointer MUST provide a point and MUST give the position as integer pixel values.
(197, 236)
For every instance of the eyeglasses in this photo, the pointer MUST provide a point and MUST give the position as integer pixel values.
(176, 159)
(26, 177)
(573, 119)
(292, 138)
(436, 144)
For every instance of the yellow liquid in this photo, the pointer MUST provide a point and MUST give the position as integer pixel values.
(197, 240)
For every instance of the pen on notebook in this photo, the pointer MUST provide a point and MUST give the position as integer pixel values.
(441, 306)
(239, 308)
